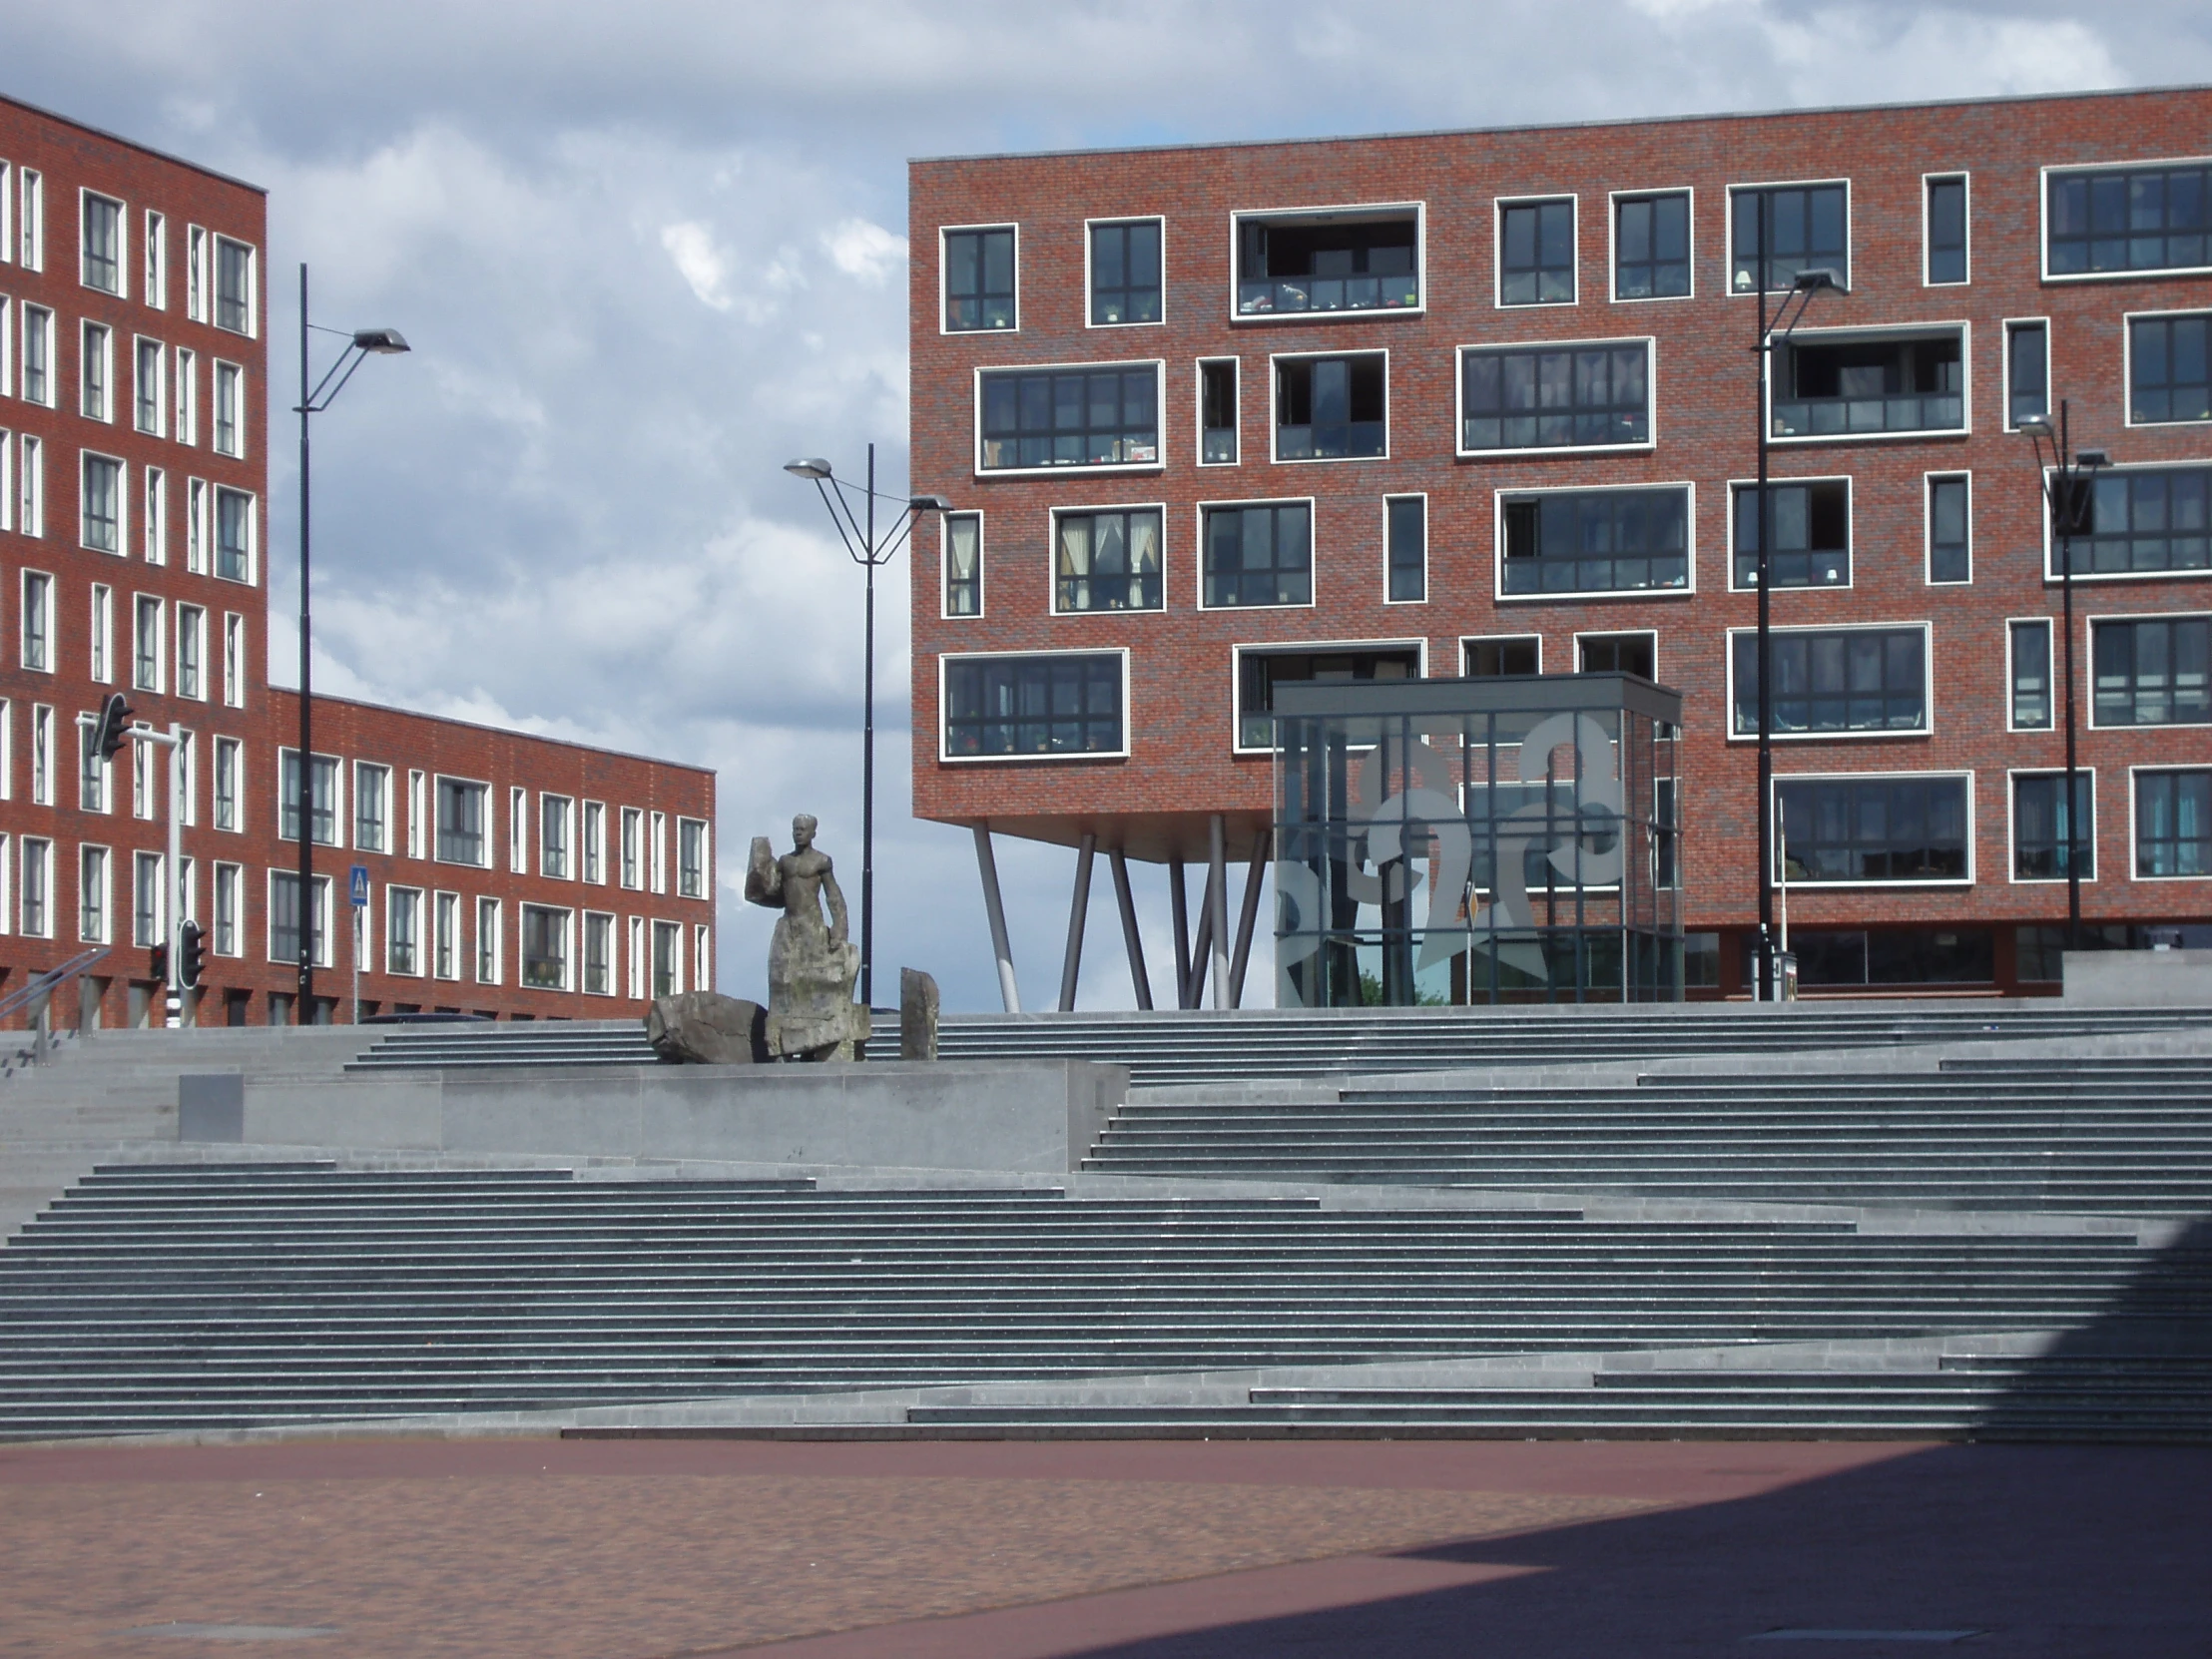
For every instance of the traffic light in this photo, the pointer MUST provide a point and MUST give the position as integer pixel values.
(115, 726)
(157, 963)
(192, 955)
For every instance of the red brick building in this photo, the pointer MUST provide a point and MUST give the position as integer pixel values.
(1217, 416)
(509, 875)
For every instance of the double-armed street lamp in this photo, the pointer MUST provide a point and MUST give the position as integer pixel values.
(315, 397)
(1773, 332)
(857, 532)
(2069, 496)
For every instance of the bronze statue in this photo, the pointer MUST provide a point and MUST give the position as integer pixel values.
(810, 965)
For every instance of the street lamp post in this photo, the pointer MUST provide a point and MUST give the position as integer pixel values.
(857, 532)
(361, 345)
(2068, 477)
(1771, 334)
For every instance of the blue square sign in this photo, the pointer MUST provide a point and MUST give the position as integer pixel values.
(360, 886)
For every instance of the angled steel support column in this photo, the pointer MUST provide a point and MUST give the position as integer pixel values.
(987, 866)
(1217, 905)
(1202, 948)
(1248, 916)
(1079, 910)
(1179, 908)
(1127, 904)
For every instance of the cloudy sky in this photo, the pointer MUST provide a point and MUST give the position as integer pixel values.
(645, 252)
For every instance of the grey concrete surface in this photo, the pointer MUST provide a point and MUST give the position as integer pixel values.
(2138, 978)
(211, 1106)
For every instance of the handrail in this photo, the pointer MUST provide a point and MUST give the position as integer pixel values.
(52, 979)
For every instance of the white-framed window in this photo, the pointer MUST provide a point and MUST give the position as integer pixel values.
(2127, 218)
(1877, 830)
(7, 345)
(1860, 681)
(148, 624)
(545, 947)
(463, 820)
(979, 278)
(1652, 252)
(1806, 228)
(37, 619)
(188, 890)
(195, 526)
(668, 959)
(154, 286)
(234, 660)
(31, 219)
(149, 396)
(1257, 670)
(230, 409)
(235, 526)
(1331, 407)
(235, 290)
(1945, 218)
(2141, 523)
(961, 547)
(104, 521)
(1124, 271)
(2028, 674)
(104, 254)
(195, 273)
(2168, 379)
(325, 808)
(149, 914)
(2150, 670)
(599, 953)
(1612, 539)
(2170, 828)
(7, 213)
(633, 847)
(102, 634)
(229, 889)
(445, 936)
(419, 818)
(191, 652)
(1062, 417)
(371, 807)
(691, 858)
(1405, 549)
(518, 830)
(7, 884)
(188, 763)
(7, 482)
(143, 763)
(2027, 393)
(657, 850)
(1812, 533)
(92, 895)
(1007, 706)
(187, 395)
(230, 783)
(1107, 559)
(1854, 386)
(403, 931)
(634, 957)
(2037, 828)
(7, 750)
(1631, 651)
(592, 843)
(1567, 394)
(703, 956)
(1492, 656)
(284, 917)
(1217, 411)
(35, 886)
(42, 755)
(30, 486)
(155, 515)
(38, 356)
(556, 835)
(1344, 260)
(1536, 246)
(1949, 527)
(1255, 554)
(95, 372)
(487, 942)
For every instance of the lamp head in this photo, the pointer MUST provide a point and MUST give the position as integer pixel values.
(2088, 461)
(929, 504)
(808, 466)
(386, 342)
(2035, 426)
(1822, 276)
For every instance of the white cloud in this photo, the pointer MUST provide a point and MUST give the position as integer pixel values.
(866, 251)
(692, 246)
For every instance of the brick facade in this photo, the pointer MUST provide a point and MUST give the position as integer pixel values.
(180, 562)
(1180, 766)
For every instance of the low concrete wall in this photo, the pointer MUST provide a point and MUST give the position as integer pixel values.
(1003, 1115)
(2140, 978)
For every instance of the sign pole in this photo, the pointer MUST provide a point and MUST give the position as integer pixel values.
(360, 894)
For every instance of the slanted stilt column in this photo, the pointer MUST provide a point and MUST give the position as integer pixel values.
(1127, 904)
(1079, 907)
(1178, 909)
(1217, 905)
(1202, 947)
(987, 866)
(1248, 916)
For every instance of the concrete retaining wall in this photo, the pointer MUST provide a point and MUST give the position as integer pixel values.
(2140, 978)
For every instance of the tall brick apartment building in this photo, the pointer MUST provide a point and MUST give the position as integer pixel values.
(509, 874)
(1214, 419)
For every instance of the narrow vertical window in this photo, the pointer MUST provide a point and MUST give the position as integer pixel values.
(633, 835)
(1537, 253)
(518, 831)
(30, 485)
(195, 273)
(102, 629)
(95, 372)
(1949, 537)
(1408, 548)
(445, 930)
(42, 755)
(1947, 231)
(371, 783)
(188, 401)
(154, 288)
(657, 849)
(963, 564)
(146, 645)
(155, 516)
(553, 836)
(234, 660)
(38, 621)
(1651, 247)
(227, 886)
(230, 409)
(145, 388)
(2026, 371)
(593, 840)
(487, 942)
(227, 782)
(691, 857)
(102, 526)
(1125, 273)
(195, 526)
(979, 280)
(1216, 412)
(103, 244)
(2032, 699)
(233, 535)
(417, 814)
(92, 888)
(599, 939)
(31, 221)
(38, 356)
(233, 286)
(191, 645)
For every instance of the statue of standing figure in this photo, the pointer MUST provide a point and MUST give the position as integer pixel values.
(810, 965)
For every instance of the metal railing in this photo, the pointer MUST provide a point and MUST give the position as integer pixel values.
(44, 986)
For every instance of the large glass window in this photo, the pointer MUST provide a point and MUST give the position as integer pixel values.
(1834, 389)
(2137, 218)
(1349, 262)
(461, 822)
(979, 279)
(2026, 371)
(1872, 829)
(1535, 261)
(1328, 408)
(1057, 705)
(324, 803)
(544, 948)
(1835, 680)
(1804, 230)
(2173, 823)
(2031, 704)
(1947, 231)
(1812, 534)
(2153, 671)
(2167, 377)
(1555, 396)
(1260, 555)
(233, 286)
(1406, 554)
(2145, 523)
(1107, 561)
(1260, 671)
(103, 244)
(1596, 541)
(1950, 530)
(963, 564)
(1651, 246)
(1125, 271)
(1071, 417)
(103, 508)
(2041, 832)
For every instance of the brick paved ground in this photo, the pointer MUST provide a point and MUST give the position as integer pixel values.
(653, 1549)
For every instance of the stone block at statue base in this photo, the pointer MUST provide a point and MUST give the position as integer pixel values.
(917, 1015)
(706, 1028)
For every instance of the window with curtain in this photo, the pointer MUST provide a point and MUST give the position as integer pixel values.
(1107, 561)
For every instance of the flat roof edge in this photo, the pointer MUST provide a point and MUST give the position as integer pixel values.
(1566, 125)
(500, 731)
(135, 144)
